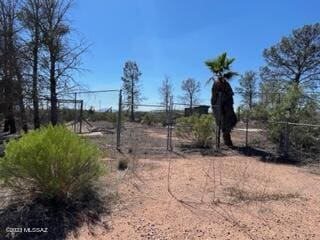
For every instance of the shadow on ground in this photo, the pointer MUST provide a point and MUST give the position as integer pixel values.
(204, 151)
(265, 156)
(59, 218)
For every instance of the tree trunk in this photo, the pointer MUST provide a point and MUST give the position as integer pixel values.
(53, 92)
(10, 123)
(191, 105)
(23, 114)
(20, 101)
(167, 101)
(132, 101)
(35, 99)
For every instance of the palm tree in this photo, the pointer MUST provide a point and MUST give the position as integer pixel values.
(220, 67)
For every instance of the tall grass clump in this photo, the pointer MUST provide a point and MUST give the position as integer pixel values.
(50, 163)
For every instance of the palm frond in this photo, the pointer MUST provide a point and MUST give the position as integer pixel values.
(230, 74)
(210, 80)
(231, 60)
(220, 66)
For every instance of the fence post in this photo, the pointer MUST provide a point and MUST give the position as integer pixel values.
(119, 120)
(169, 125)
(247, 127)
(286, 140)
(81, 113)
(75, 112)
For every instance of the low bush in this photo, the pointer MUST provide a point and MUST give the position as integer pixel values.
(50, 163)
(259, 112)
(300, 142)
(102, 116)
(152, 118)
(123, 164)
(148, 119)
(199, 129)
(67, 115)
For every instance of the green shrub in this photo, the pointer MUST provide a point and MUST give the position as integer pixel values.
(101, 116)
(163, 118)
(259, 112)
(184, 127)
(50, 163)
(148, 119)
(295, 108)
(110, 117)
(67, 115)
(152, 118)
(199, 129)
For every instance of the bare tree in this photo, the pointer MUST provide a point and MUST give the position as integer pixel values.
(34, 42)
(248, 88)
(131, 88)
(166, 92)
(61, 58)
(30, 16)
(10, 65)
(190, 88)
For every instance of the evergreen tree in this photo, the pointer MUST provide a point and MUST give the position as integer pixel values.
(131, 87)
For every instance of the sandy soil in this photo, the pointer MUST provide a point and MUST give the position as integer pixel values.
(222, 197)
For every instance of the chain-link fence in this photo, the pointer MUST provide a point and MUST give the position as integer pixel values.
(105, 118)
(282, 125)
(96, 117)
(66, 110)
(157, 127)
(145, 129)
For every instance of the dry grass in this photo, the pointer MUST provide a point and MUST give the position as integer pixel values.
(313, 168)
(253, 199)
(241, 195)
(242, 199)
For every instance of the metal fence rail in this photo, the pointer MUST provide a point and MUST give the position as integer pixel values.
(104, 116)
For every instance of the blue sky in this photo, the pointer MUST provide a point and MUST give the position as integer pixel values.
(175, 37)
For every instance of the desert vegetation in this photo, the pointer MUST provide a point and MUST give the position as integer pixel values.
(198, 129)
(78, 165)
(50, 163)
(54, 171)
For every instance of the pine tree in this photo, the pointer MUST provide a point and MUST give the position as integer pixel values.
(131, 87)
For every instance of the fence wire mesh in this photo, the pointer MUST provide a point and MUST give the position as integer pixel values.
(105, 118)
